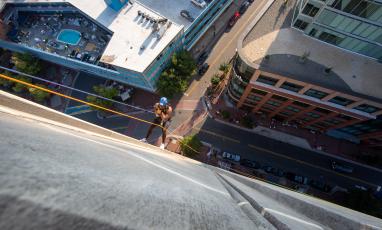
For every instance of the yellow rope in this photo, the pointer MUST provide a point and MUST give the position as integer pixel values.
(86, 103)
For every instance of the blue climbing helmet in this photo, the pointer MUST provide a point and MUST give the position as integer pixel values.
(163, 101)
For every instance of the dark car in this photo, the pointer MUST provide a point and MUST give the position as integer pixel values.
(234, 19)
(250, 164)
(341, 168)
(320, 185)
(244, 7)
(187, 15)
(274, 171)
(202, 58)
(289, 175)
(203, 69)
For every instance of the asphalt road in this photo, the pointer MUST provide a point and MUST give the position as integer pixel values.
(284, 156)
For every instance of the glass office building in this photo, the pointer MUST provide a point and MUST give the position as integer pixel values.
(354, 25)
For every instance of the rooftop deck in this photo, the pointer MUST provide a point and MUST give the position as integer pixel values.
(351, 73)
(134, 44)
(42, 30)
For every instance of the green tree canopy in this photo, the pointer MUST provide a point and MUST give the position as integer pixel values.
(18, 87)
(103, 91)
(224, 67)
(175, 78)
(39, 95)
(26, 63)
(5, 82)
(193, 142)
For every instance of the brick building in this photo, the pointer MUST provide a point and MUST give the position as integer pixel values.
(286, 75)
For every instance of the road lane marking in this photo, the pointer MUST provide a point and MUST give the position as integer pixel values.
(217, 135)
(239, 31)
(311, 165)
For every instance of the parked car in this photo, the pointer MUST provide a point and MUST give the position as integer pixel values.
(202, 58)
(203, 69)
(290, 175)
(296, 178)
(244, 7)
(320, 185)
(230, 156)
(301, 179)
(187, 15)
(234, 19)
(274, 171)
(250, 164)
(200, 3)
(341, 168)
(360, 187)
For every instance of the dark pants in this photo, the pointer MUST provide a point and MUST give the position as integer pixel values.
(157, 121)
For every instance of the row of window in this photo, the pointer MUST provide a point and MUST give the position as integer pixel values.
(351, 25)
(361, 8)
(313, 93)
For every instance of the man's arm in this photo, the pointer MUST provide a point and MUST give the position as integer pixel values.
(167, 116)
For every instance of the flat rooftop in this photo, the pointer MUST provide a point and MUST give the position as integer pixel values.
(272, 35)
(133, 44)
(171, 9)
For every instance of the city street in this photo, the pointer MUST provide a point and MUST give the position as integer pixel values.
(249, 145)
(283, 156)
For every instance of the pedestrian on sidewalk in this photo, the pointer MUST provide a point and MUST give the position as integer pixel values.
(163, 114)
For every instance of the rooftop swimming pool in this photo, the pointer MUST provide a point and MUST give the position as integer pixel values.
(71, 37)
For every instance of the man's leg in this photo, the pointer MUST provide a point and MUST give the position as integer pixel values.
(164, 131)
(151, 128)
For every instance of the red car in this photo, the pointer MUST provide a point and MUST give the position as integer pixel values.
(234, 19)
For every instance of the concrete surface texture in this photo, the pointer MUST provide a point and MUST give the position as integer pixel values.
(54, 176)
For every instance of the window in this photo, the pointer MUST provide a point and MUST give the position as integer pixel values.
(313, 32)
(364, 9)
(344, 117)
(267, 80)
(291, 86)
(324, 111)
(300, 104)
(273, 103)
(256, 91)
(279, 98)
(366, 108)
(310, 10)
(254, 98)
(299, 24)
(314, 115)
(316, 94)
(291, 108)
(330, 38)
(341, 101)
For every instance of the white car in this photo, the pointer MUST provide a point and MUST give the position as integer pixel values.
(230, 156)
(200, 3)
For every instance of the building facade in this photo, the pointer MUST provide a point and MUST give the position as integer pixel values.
(310, 106)
(354, 25)
(122, 41)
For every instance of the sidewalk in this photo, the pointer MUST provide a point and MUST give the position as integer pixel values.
(290, 133)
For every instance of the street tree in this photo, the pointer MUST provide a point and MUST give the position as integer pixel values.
(224, 67)
(38, 94)
(190, 146)
(19, 87)
(175, 78)
(106, 92)
(26, 63)
(4, 82)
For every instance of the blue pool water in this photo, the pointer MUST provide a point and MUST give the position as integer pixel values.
(71, 37)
